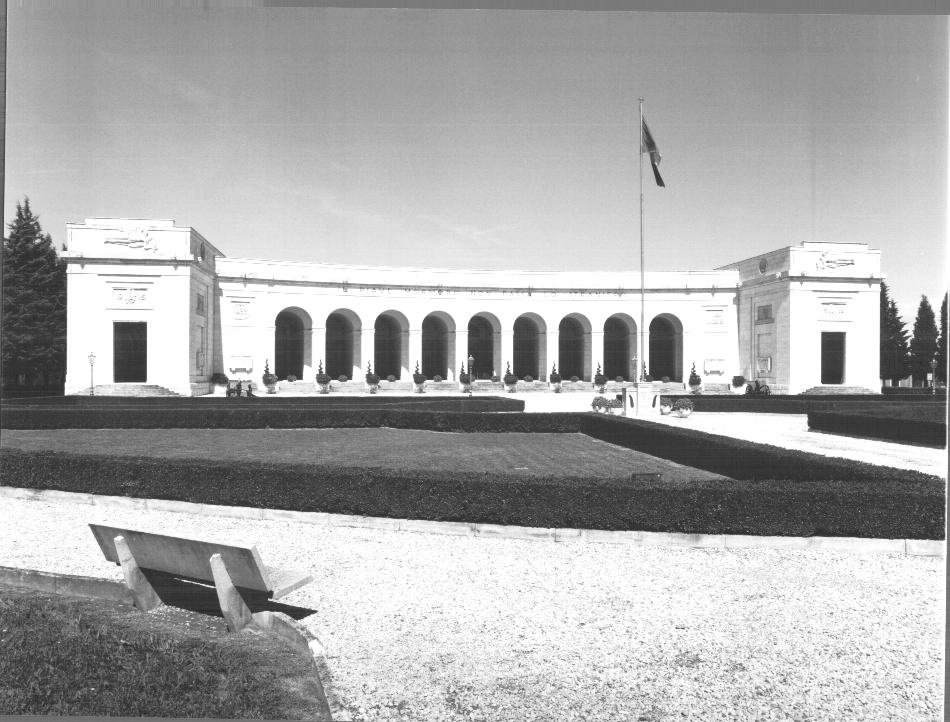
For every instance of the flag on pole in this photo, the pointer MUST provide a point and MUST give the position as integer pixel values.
(649, 146)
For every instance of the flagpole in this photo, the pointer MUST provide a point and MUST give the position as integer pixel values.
(642, 352)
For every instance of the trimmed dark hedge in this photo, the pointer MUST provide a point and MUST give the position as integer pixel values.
(903, 430)
(913, 391)
(876, 508)
(737, 458)
(803, 404)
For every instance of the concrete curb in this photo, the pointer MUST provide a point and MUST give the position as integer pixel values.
(67, 584)
(850, 545)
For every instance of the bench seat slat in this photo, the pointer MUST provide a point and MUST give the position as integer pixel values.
(284, 581)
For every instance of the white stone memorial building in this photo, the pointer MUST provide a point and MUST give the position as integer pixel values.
(155, 304)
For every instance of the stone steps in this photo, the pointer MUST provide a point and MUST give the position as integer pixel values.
(130, 390)
(822, 390)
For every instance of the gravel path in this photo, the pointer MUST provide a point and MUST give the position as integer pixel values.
(426, 627)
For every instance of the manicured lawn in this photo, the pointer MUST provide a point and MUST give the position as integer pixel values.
(80, 657)
(511, 453)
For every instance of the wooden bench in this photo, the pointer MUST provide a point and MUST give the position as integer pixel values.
(233, 570)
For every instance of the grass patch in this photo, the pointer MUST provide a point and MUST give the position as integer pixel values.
(516, 453)
(78, 657)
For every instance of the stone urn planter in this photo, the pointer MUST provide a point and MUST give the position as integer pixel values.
(372, 383)
(666, 408)
(269, 379)
(682, 408)
(418, 381)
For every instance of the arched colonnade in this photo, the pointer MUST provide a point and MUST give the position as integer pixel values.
(441, 345)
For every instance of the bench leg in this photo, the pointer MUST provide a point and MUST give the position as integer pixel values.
(236, 612)
(143, 592)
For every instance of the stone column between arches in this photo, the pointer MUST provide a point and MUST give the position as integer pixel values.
(318, 342)
(461, 354)
(415, 352)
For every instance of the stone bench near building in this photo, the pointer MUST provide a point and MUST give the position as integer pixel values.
(235, 571)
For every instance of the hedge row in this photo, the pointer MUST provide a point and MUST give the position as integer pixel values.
(905, 431)
(740, 459)
(339, 401)
(802, 404)
(912, 391)
(877, 508)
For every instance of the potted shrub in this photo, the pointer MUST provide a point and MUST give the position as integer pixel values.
(372, 380)
(465, 381)
(574, 379)
(269, 379)
(511, 380)
(618, 379)
(391, 378)
(220, 383)
(666, 379)
(495, 377)
(291, 378)
(600, 381)
(666, 406)
(418, 380)
(695, 383)
(323, 380)
(437, 379)
(555, 379)
(342, 378)
(528, 379)
(738, 384)
(682, 408)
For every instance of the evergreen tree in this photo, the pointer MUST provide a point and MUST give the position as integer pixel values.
(942, 343)
(895, 354)
(923, 346)
(34, 303)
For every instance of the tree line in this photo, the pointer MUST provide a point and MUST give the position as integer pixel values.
(903, 355)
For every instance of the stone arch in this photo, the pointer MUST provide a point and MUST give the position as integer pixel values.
(438, 345)
(341, 348)
(574, 347)
(293, 332)
(666, 347)
(484, 344)
(390, 344)
(620, 347)
(528, 346)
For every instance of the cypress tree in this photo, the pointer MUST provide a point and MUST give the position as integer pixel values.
(923, 346)
(942, 343)
(34, 304)
(895, 354)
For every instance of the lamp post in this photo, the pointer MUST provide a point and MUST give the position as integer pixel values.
(471, 366)
(933, 376)
(92, 362)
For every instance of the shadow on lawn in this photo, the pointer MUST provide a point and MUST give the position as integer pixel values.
(201, 597)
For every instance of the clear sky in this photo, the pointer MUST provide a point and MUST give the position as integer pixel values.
(489, 139)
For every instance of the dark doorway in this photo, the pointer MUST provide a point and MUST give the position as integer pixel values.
(832, 357)
(664, 343)
(525, 349)
(435, 347)
(339, 349)
(570, 348)
(288, 345)
(481, 345)
(616, 349)
(130, 351)
(387, 347)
